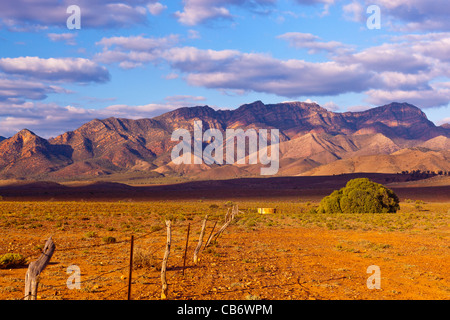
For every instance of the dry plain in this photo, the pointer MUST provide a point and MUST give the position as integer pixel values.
(292, 254)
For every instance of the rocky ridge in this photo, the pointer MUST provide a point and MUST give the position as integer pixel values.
(311, 137)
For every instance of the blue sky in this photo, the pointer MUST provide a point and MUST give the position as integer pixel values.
(141, 58)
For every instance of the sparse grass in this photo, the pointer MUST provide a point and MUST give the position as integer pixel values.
(155, 228)
(94, 217)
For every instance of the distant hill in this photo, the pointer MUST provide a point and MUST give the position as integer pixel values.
(411, 159)
(445, 126)
(26, 154)
(313, 140)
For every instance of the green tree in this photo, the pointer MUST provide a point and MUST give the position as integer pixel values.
(360, 196)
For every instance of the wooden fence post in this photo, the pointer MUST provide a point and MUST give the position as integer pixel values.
(186, 247)
(164, 262)
(131, 268)
(210, 236)
(228, 218)
(200, 240)
(35, 268)
(227, 214)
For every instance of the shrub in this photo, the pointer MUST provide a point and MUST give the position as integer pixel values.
(90, 234)
(229, 204)
(109, 240)
(9, 260)
(146, 260)
(418, 204)
(360, 196)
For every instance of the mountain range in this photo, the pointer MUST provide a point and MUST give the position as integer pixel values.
(313, 141)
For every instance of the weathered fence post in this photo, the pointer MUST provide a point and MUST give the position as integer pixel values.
(186, 247)
(227, 214)
(210, 235)
(131, 268)
(35, 268)
(200, 240)
(228, 218)
(164, 262)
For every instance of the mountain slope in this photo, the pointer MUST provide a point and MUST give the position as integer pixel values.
(116, 143)
(402, 160)
(395, 120)
(26, 154)
(312, 139)
(437, 143)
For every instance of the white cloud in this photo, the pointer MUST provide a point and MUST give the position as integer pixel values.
(354, 11)
(200, 11)
(405, 81)
(137, 112)
(410, 68)
(388, 57)
(68, 38)
(407, 15)
(16, 90)
(313, 43)
(437, 95)
(331, 106)
(443, 121)
(156, 8)
(25, 15)
(45, 119)
(194, 14)
(408, 63)
(139, 43)
(133, 51)
(230, 69)
(55, 69)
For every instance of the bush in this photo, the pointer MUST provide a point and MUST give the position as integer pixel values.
(11, 260)
(360, 196)
(229, 204)
(109, 240)
(146, 260)
(90, 234)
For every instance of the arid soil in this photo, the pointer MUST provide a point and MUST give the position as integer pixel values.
(287, 255)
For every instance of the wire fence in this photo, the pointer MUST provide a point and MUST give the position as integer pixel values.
(154, 249)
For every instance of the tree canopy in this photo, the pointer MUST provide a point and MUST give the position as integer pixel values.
(360, 196)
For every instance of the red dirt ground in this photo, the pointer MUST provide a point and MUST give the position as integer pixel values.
(270, 263)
